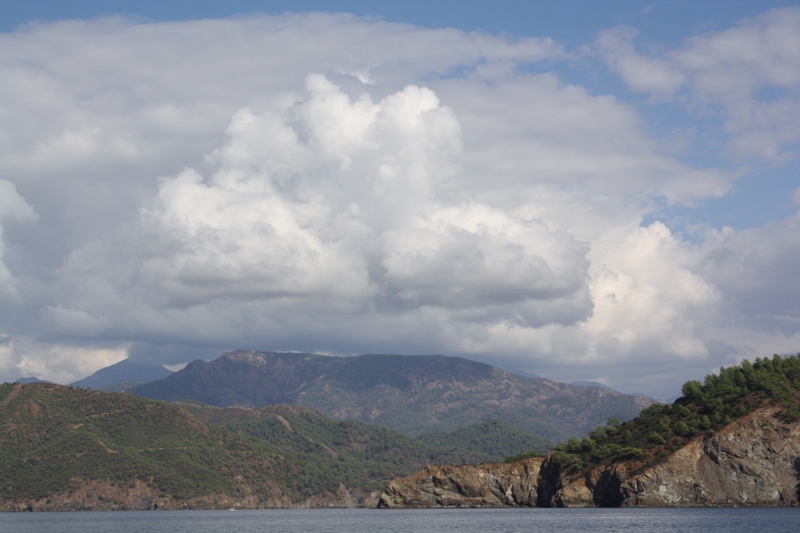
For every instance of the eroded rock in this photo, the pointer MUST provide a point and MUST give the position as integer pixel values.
(754, 461)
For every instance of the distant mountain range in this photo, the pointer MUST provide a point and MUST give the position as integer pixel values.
(122, 375)
(413, 394)
(31, 379)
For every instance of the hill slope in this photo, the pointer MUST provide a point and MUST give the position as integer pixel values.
(66, 448)
(413, 394)
(56, 440)
(496, 438)
(319, 454)
(732, 440)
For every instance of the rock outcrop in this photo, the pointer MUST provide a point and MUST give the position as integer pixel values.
(105, 495)
(493, 485)
(754, 461)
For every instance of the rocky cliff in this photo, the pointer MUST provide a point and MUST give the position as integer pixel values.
(754, 461)
(492, 485)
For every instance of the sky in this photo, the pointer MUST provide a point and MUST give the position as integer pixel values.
(593, 191)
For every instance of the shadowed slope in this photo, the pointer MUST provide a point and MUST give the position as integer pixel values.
(414, 394)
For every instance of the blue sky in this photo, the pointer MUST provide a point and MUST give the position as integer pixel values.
(575, 21)
(582, 190)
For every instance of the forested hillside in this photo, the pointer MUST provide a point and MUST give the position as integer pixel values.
(317, 453)
(704, 407)
(52, 437)
(74, 448)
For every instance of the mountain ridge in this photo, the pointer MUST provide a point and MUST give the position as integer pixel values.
(413, 394)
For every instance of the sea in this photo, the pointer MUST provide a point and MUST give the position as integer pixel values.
(705, 520)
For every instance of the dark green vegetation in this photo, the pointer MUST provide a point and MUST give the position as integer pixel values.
(317, 453)
(704, 407)
(412, 394)
(494, 438)
(52, 437)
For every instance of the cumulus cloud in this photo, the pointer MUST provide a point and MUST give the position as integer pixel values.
(331, 204)
(648, 299)
(207, 185)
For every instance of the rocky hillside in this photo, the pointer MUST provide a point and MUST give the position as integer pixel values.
(413, 394)
(753, 461)
(68, 448)
(733, 440)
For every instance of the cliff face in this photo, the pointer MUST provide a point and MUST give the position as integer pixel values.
(494, 485)
(753, 461)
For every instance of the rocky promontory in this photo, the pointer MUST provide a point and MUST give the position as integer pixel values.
(753, 461)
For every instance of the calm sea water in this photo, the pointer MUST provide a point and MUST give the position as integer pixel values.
(395, 521)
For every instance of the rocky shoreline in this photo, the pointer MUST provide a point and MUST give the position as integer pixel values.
(754, 461)
(140, 496)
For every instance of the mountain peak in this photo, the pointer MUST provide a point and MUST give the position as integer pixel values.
(123, 371)
(410, 393)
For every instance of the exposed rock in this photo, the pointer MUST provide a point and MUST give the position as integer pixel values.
(103, 495)
(493, 485)
(754, 461)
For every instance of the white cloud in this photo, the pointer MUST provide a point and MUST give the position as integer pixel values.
(58, 362)
(750, 73)
(330, 204)
(640, 72)
(217, 184)
(13, 209)
(542, 135)
(648, 299)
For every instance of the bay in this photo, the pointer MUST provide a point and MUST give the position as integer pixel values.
(774, 520)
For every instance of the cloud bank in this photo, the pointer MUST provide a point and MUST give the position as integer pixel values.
(186, 188)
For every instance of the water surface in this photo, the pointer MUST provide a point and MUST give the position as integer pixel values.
(410, 521)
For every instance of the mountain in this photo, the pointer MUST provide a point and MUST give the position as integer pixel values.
(32, 379)
(412, 394)
(69, 448)
(729, 441)
(589, 384)
(125, 371)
